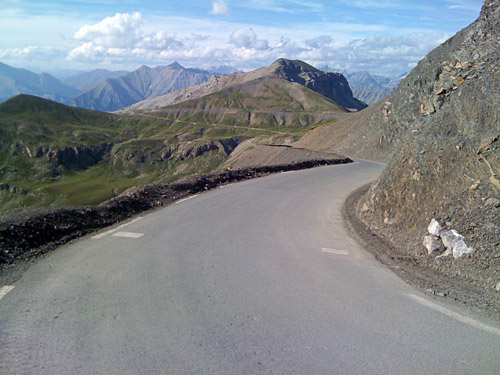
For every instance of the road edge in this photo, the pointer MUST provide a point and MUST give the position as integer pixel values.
(34, 234)
(428, 281)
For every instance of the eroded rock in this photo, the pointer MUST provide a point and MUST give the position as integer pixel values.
(434, 228)
(455, 242)
(432, 243)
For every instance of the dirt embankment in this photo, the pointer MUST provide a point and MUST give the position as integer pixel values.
(430, 275)
(25, 234)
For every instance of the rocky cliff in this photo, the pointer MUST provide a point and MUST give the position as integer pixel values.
(440, 134)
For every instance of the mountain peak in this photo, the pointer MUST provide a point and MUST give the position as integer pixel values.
(296, 65)
(175, 65)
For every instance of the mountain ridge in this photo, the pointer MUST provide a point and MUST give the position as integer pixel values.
(332, 86)
(14, 81)
(116, 93)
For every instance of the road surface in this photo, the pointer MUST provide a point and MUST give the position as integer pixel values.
(258, 277)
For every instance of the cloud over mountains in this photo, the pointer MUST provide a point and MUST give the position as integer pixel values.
(121, 39)
(385, 37)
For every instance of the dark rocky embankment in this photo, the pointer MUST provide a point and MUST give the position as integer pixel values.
(25, 234)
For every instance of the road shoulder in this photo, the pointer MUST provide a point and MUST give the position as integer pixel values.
(427, 280)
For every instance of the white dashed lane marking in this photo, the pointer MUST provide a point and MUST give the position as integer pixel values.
(5, 289)
(454, 315)
(100, 235)
(334, 251)
(128, 234)
(185, 199)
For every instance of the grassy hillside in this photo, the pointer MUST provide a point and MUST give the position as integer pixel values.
(52, 154)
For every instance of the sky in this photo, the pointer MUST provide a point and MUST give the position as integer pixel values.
(381, 36)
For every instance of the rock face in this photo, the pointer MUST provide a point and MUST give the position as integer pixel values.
(448, 108)
(439, 133)
(332, 85)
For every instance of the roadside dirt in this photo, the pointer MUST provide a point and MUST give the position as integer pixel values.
(416, 270)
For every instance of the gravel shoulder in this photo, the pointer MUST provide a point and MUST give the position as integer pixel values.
(416, 270)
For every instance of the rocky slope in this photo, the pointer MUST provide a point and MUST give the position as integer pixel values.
(15, 81)
(115, 93)
(440, 134)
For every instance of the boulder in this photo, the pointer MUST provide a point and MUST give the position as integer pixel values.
(455, 243)
(434, 228)
(432, 243)
(492, 202)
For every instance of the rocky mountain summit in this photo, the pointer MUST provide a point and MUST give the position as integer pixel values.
(82, 81)
(440, 134)
(332, 85)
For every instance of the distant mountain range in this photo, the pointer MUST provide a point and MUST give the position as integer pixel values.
(51, 153)
(106, 90)
(372, 88)
(83, 81)
(116, 93)
(223, 69)
(101, 89)
(15, 81)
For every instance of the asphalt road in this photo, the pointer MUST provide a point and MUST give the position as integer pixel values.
(258, 277)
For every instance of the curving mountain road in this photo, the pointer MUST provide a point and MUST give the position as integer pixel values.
(258, 277)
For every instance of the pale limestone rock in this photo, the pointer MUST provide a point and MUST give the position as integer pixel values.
(455, 243)
(434, 228)
(432, 243)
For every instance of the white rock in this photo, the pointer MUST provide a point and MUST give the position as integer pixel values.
(434, 228)
(497, 287)
(432, 243)
(455, 243)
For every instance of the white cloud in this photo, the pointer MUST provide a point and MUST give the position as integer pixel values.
(40, 53)
(119, 38)
(246, 38)
(121, 42)
(378, 54)
(319, 41)
(159, 41)
(121, 30)
(219, 7)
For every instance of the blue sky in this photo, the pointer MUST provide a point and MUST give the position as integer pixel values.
(383, 36)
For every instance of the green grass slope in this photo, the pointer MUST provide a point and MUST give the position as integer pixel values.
(53, 154)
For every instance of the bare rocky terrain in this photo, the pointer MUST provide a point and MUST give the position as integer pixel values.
(439, 132)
